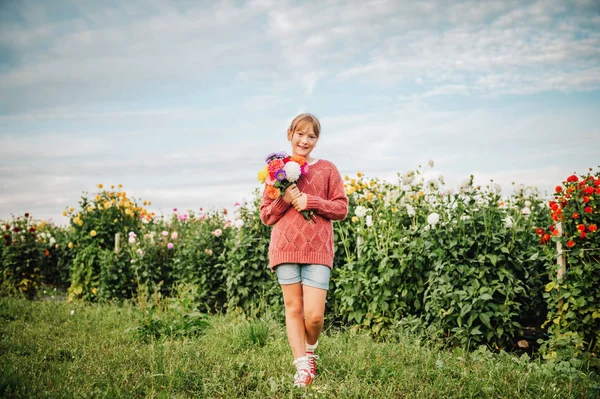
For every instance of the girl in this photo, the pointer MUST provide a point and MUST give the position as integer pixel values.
(301, 253)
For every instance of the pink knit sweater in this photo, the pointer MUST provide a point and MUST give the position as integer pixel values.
(293, 239)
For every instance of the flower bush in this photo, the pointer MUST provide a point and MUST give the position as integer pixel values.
(462, 262)
(21, 258)
(95, 226)
(574, 298)
(246, 264)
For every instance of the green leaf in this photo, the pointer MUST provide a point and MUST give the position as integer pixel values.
(485, 319)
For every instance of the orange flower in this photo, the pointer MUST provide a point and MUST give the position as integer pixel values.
(570, 243)
(298, 159)
(273, 192)
(555, 233)
(558, 189)
(592, 227)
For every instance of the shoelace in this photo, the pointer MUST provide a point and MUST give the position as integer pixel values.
(311, 361)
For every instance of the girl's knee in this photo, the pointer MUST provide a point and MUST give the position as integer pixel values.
(314, 319)
(294, 307)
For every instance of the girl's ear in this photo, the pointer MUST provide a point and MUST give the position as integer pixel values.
(289, 134)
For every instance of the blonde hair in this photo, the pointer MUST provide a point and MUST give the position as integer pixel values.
(303, 120)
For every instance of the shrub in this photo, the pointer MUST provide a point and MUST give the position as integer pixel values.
(574, 300)
(22, 257)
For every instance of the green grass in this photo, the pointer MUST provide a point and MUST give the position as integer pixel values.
(45, 352)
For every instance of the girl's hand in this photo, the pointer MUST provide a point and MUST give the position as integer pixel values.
(300, 202)
(290, 193)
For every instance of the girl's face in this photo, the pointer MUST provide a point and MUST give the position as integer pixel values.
(303, 140)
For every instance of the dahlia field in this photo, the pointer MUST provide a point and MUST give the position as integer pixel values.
(465, 266)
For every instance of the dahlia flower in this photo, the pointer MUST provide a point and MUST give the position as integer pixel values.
(262, 175)
(433, 219)
(273, 192)
(300, 160)
(292, 171)
(360, 211)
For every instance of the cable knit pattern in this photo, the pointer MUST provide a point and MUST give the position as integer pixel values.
(293, 239)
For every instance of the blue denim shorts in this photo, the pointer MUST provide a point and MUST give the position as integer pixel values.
(312, 275)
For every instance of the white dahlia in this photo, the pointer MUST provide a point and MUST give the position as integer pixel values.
(433, 219)
(360, 211)
(292, 171)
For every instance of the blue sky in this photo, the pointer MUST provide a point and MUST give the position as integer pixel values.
(181, 101)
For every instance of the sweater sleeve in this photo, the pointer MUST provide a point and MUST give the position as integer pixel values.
(272, 210)
(335, 206)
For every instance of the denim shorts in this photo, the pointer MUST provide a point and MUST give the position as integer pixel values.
(312, 275)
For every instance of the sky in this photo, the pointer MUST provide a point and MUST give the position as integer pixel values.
(181, 101)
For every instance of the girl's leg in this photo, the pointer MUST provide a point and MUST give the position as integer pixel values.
(314, 312)
(294, 318)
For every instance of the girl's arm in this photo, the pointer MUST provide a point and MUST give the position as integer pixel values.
(272, 210)
(335, 207)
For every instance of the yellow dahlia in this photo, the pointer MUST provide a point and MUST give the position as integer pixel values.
(262, 174)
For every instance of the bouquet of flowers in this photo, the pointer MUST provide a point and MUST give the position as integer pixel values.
(281, 172)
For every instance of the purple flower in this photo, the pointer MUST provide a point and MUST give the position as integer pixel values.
(170, 245)
(270, 157)
(275, 155)
(280, 175)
